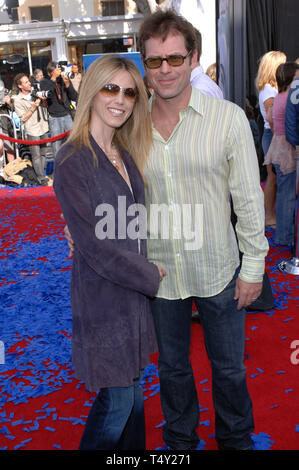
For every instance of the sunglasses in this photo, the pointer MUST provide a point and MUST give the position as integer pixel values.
(175, 60)
(111, 89)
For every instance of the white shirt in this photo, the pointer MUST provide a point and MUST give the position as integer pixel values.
(268, 92)
(204, 83)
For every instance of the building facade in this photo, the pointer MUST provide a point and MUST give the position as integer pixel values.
(39, 31)
(42, 31)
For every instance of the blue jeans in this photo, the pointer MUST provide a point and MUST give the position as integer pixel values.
(266, 140)
(223, 327)
(116, 420)
(57, 126)
(285, 207)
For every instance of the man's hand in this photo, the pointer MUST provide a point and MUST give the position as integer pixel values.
(66, 80)
(247, 292)
(37, 102)
(69, 239)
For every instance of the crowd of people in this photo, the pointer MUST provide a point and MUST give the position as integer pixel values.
(133, 295)
(41, 107)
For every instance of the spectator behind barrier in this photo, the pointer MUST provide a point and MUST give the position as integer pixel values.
(59, 100)
(29, 106)
(6, 127)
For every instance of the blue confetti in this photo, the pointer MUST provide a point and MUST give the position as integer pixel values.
(261, 441)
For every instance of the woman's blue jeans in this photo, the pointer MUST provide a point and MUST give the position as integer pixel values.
(266, 140)
(223, 327)
(285, 207)
(116, 420)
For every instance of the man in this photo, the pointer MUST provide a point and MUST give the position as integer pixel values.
(199, 79)
(38, 75)
(6, 127)
(203, 153)
(292, 121)
(75, 77)
(292, 114)
(61, 94)
(33, 113)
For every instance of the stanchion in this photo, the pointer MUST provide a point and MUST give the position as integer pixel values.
(291, 266)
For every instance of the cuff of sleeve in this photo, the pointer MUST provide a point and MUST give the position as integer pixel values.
(252, 269)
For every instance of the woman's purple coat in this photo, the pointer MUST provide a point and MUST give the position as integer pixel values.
(113, 332)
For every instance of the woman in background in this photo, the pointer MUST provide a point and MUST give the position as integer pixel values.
(282, 155)
(98, 181)
(267, 89)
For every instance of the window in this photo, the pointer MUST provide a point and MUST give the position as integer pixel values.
(113, 8)
(41, 13)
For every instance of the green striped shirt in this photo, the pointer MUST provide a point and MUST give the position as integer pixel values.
(209, 156)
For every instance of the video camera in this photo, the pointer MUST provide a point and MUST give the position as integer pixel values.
(62, 65)
(37, 93)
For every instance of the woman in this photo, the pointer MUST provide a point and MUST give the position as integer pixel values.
(98, 173)
(282, 155)
(267, 89)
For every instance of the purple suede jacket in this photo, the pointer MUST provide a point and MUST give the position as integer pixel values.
(113, 333)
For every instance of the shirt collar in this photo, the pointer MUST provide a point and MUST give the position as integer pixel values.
(196, 71)
(196, 101)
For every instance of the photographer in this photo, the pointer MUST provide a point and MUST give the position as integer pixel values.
(5, 124)
(59, 100)
(30, 107)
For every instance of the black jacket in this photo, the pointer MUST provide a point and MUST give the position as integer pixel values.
(60, 97)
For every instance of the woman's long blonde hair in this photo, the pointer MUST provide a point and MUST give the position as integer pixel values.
(267, 69)
(135, 135)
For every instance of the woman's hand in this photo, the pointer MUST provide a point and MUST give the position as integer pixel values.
(69, 239)
(162, 272)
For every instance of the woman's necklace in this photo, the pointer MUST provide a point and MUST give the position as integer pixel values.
(114, 158)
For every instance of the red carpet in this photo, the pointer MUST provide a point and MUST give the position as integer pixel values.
(43, 407)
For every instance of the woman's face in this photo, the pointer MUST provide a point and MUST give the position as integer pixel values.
(111, 110)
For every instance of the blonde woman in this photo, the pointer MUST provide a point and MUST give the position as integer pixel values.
(267, 89)
(98, 183)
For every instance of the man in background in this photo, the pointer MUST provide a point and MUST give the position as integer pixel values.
(60, 109)
(32, 112)
(201, 80)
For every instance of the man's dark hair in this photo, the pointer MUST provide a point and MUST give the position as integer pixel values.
(51, 67)
(285, 74)
(160, 24)
(198, 43)
(18, 78)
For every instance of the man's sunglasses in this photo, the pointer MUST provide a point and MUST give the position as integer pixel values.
(111, 89)
(175, 60)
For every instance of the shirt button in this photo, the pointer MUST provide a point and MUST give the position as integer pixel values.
(166, 147)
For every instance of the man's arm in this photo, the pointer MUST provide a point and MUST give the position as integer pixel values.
(248, 203)
(70, 90)
(23, 112)
(292, 117)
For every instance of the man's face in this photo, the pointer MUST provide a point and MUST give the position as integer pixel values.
(25, 85)
(168, 81)
(39, 76)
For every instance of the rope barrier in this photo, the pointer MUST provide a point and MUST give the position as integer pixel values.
(34, 142)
